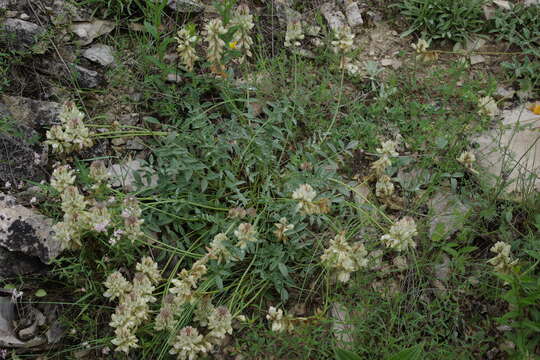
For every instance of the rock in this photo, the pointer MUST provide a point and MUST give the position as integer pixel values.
(477, 59)
(474, 44)
(510, 153)
(503, 4)
(285, 12)
(413, 178)
(442, 269)
(6, 4)
(532, 3)
(448, 215)
(504, 93)
(135, 144)
(17, 264)
(185, 6)
(26, 231)
(24, 17)
(129, 119)
(99, 53)
(32, 113)
(123, 175)
(85, 78)
(64, 12)
(174, 78)
(354, 16)
(335, 18)
(361, 193)
(18, 159)
(87, 31)
(489, 11)
(20, 33)
(341, 326)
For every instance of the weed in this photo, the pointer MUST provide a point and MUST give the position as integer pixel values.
(443, 20)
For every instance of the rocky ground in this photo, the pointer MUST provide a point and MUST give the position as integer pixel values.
(58, 52)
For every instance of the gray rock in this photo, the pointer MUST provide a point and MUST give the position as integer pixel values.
(123, 175)
(504, 93)
(135, 144)
(32, 113)
(100, 53)
(285, 13)
(17, 264)
(87, 31)
(18, 159)
(354, 16)
(64, 12)
(335, 18)
(24, 230)
(20, 33)
(448, 215)
(85, 78)
(6, 4)
(185, 6)
(510, 153)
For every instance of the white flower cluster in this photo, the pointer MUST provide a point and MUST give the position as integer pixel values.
(502, 262)
(422, 52)
(218, 249)
(183, 292)
(69, 230)
(187, 40)
(133, 302)
(386, 151)
(246, 233)
(305, 195)
(242, 38)
(81, 214)
(99, 174)
(214, 29)
(344, 258)
(487, 106)
(343, 40)
(400, 236)
(280, 322)
(132, 219)
(294, 33)
(467, 159)
(71, 135)
(189, 343)
(281, 228)
(384, 187)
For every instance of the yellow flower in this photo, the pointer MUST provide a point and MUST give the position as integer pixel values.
(233, 44)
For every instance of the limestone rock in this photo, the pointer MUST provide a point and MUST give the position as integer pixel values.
(18, 160)
(335, 18)
(99, 53)
(123, 175)
(510, 153)
(85, 78)
(32, 113)
(448, 215)
(185, 6)
(20, 33)
(354, 16)
(26, 231)
(87, 31)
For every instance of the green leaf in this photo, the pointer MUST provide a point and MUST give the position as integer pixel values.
(40, 293)
(414, 353)
(283, 269)
(342, 354)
